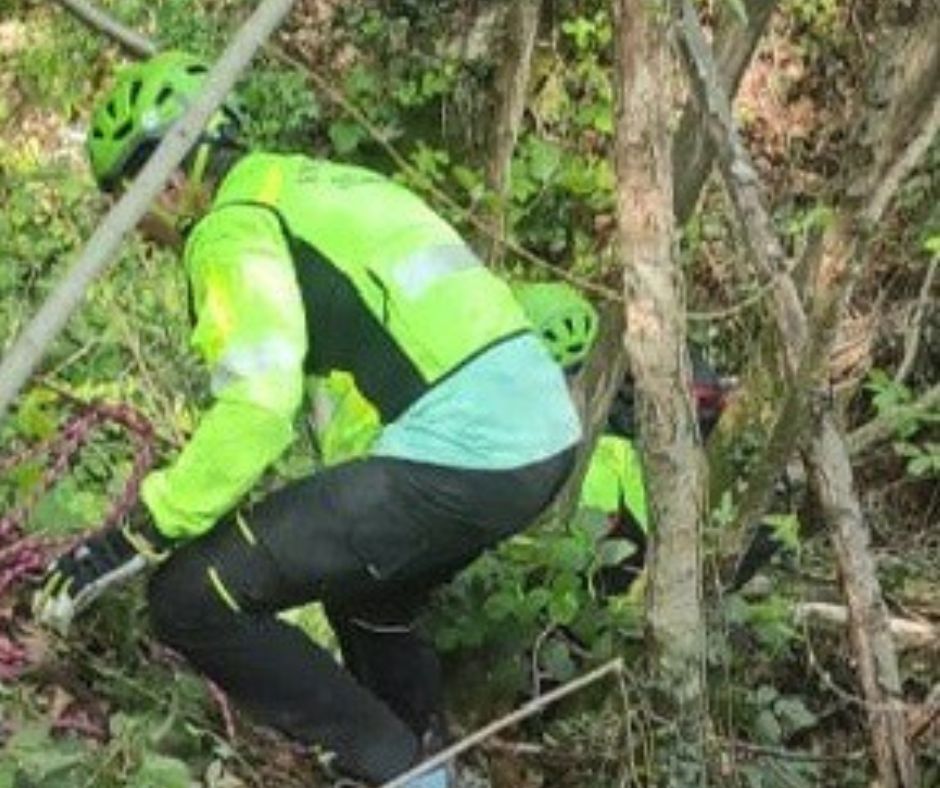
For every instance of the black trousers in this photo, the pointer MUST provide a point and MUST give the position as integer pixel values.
(370, 539)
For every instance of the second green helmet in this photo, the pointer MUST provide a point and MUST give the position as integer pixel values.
(145, 101)
(564, 319)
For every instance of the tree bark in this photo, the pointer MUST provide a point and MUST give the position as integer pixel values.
(104, 243)
(824, 449)
(512, 80)
(656, 346)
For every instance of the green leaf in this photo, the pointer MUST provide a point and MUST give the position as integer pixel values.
(34, 418)
(161, 771)
(766, 694)
(613, 552)
(593, 522)
(563, 608)
(794, 714)
(555, 659)
(786, 529)
(570, 554)
(544, 159)
(500, 605)
(767, 727)
(738, 9)
(41, 758)
(346, 136)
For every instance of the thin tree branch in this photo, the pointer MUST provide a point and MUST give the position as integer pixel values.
(512, 80)
(908, 633)
(104, 243)
(913, 334)
(692, 150)
(534, 706)
(131, 41)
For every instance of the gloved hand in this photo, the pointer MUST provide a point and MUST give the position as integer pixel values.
(76, 579)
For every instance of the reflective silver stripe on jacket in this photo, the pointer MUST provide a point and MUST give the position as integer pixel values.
(419, 270)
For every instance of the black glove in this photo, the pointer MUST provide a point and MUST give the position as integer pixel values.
(76, 579)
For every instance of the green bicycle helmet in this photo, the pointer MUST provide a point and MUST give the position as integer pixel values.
(147, 98)
(565, 320)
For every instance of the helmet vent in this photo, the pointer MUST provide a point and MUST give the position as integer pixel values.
(164, 94)
(111, 109)
(135, 91)
(123, 130)
(97, 133)
(550, 335)
(196, 68)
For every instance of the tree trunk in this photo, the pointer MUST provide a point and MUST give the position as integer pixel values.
(656, 346)
(512, 80)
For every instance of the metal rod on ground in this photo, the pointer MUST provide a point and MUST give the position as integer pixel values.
(34, 340)
(532, 707)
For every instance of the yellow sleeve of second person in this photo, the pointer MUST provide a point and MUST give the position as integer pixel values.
(251, 331)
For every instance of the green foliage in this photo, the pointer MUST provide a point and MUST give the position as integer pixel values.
(537, 588)
(896, 402)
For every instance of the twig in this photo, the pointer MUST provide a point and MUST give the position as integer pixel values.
(532, 707)
(788, 755)
(913, 334)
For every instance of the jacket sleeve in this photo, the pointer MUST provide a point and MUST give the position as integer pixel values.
(251, 331)
(347, 425)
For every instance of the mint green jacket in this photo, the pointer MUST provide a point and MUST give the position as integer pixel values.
(308, 267)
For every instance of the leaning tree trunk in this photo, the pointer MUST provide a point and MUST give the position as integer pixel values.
(656, 346)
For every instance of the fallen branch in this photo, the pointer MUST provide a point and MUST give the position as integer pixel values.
(907, 633)
(534, 706)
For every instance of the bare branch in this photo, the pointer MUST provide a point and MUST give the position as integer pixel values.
(913, 334)
(512, 80)
(907, 633)
(534, 706)
(692, 151)
(104, 243)
(130, 40)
